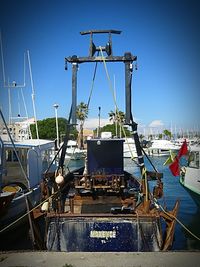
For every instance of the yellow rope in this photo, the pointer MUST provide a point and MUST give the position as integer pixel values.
(144, 174)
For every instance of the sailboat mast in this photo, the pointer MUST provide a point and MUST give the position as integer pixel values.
(33, 95)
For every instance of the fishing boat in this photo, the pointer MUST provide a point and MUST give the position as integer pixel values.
(190, 174)
(102, 207)
(23, 164)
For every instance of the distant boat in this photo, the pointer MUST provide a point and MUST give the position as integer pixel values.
(34, 156)
(190, 175)
(73, 152)
(129, 148)
(162, 147)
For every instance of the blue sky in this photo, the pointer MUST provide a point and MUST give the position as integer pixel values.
(165, 36)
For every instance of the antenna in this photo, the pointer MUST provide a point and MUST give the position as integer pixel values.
(2, 59)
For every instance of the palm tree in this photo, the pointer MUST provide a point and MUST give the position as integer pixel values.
(167, 133)
(141, 136)
(81, 114)
(118, 118)
(113, 118)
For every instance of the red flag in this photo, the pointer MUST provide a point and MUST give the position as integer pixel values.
(183, 150)
(174, 167)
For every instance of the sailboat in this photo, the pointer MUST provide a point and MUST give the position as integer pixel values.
(102, 207)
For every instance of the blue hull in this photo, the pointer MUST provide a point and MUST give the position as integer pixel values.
(102, 234)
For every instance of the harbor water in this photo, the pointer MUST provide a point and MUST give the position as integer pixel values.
(188, 213)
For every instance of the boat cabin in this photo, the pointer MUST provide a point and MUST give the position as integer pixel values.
(34, 155)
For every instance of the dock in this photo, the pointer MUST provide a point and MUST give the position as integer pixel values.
(98, 259)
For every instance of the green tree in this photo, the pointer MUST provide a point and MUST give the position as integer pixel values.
(81, 114)
(47, 128)
(111, 128)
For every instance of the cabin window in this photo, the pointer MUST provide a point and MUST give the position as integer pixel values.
(23, 155)
(193, 160)
(11, 156)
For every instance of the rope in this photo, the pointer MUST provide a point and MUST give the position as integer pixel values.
(178, 221)
(93, 79)
(144, 174)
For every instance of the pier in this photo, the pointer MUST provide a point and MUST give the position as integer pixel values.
(81, 259)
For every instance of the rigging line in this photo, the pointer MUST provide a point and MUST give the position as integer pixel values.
(109, 80)
(92, 87)
(33, 95)
(24, 69)
(2, 59)
(144, 174)
(9, 106)
(93, 79)
(26, 112)
(18, 98)
(63, 148)
(149, 159)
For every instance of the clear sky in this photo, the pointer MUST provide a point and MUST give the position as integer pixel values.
(165, 36)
